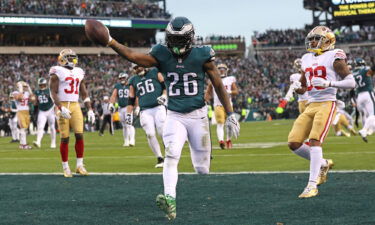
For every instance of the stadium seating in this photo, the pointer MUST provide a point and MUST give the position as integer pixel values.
(85, 8)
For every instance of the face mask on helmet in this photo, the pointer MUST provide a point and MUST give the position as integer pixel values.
(68, 58)
(179, 35)
(223, 69)
(320, 39)
(42, 83)
(123, 77)
(359, 63)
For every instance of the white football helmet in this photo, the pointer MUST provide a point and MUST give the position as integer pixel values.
(68, 57)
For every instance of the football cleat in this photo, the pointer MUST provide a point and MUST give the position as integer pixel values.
(168, 204)
(67, 172)
(25, 147)
(53, 145)
(222, 144)
(160, 163)
(36, 144)
(324, 172)
(126, 144)
(82, 170)
(14, 141)
(353, 132)
(309, 192)
(363, 135)
(346, 134)
(229, 144)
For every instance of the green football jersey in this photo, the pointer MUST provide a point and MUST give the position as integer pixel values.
(147, 88)
(364, 82)
(122, 94)
(45, 102)
(183, 77)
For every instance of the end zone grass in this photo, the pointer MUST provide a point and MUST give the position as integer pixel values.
(347, 198)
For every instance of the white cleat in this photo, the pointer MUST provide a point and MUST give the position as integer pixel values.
(53, 146)
(67, 172)
(126, 144)
(36, 144)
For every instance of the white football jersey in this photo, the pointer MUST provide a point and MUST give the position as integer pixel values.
(227, 82)
(321, 66)
(69, 84)
(297, 77)
(24, 103)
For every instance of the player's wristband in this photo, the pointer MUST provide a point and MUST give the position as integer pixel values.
(87, 100)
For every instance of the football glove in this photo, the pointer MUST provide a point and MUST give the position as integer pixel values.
(91, 116)
(64, 112)
(129, 118)
(162, 99)
(232, 125)
(136, 111)
(111, 107)
(320, 82)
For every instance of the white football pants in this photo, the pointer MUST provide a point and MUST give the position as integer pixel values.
(366, 104)
(179, 128)
(128, 131)
(13, 122)
(43, 117)
(151, 118)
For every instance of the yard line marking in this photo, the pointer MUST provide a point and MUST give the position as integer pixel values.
(183, 156)
(192, 173)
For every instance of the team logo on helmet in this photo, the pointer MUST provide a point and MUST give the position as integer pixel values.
(179, 35)
(42, 82)
(320, 39)
(68, 57)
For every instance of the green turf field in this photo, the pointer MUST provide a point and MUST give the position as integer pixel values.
(347, 198)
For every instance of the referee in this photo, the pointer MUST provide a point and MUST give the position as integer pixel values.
(106, 116)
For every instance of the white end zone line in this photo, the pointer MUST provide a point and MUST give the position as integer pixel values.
(191, 173)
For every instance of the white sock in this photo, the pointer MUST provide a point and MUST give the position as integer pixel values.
(170, 176)
(303, 151)
(125, 134)
(316, 156)
(65, 165)
(132, 135)
(154, 145)
(220, 131)
(39, 135)
(17, 133)
(79, 162)
(23, 136)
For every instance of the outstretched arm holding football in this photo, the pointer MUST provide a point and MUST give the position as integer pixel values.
(99, 34)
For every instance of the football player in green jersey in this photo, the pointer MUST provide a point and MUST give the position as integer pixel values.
(148, 86)
(121, 94)
(184, 68)
(46, 113)
(13, 121)
(365, 96)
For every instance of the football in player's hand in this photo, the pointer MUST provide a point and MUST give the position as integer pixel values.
(97, 32)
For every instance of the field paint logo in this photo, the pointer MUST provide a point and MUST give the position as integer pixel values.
(342, 2)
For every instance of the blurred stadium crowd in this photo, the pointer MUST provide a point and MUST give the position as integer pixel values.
(97, 8)
(295, 37)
